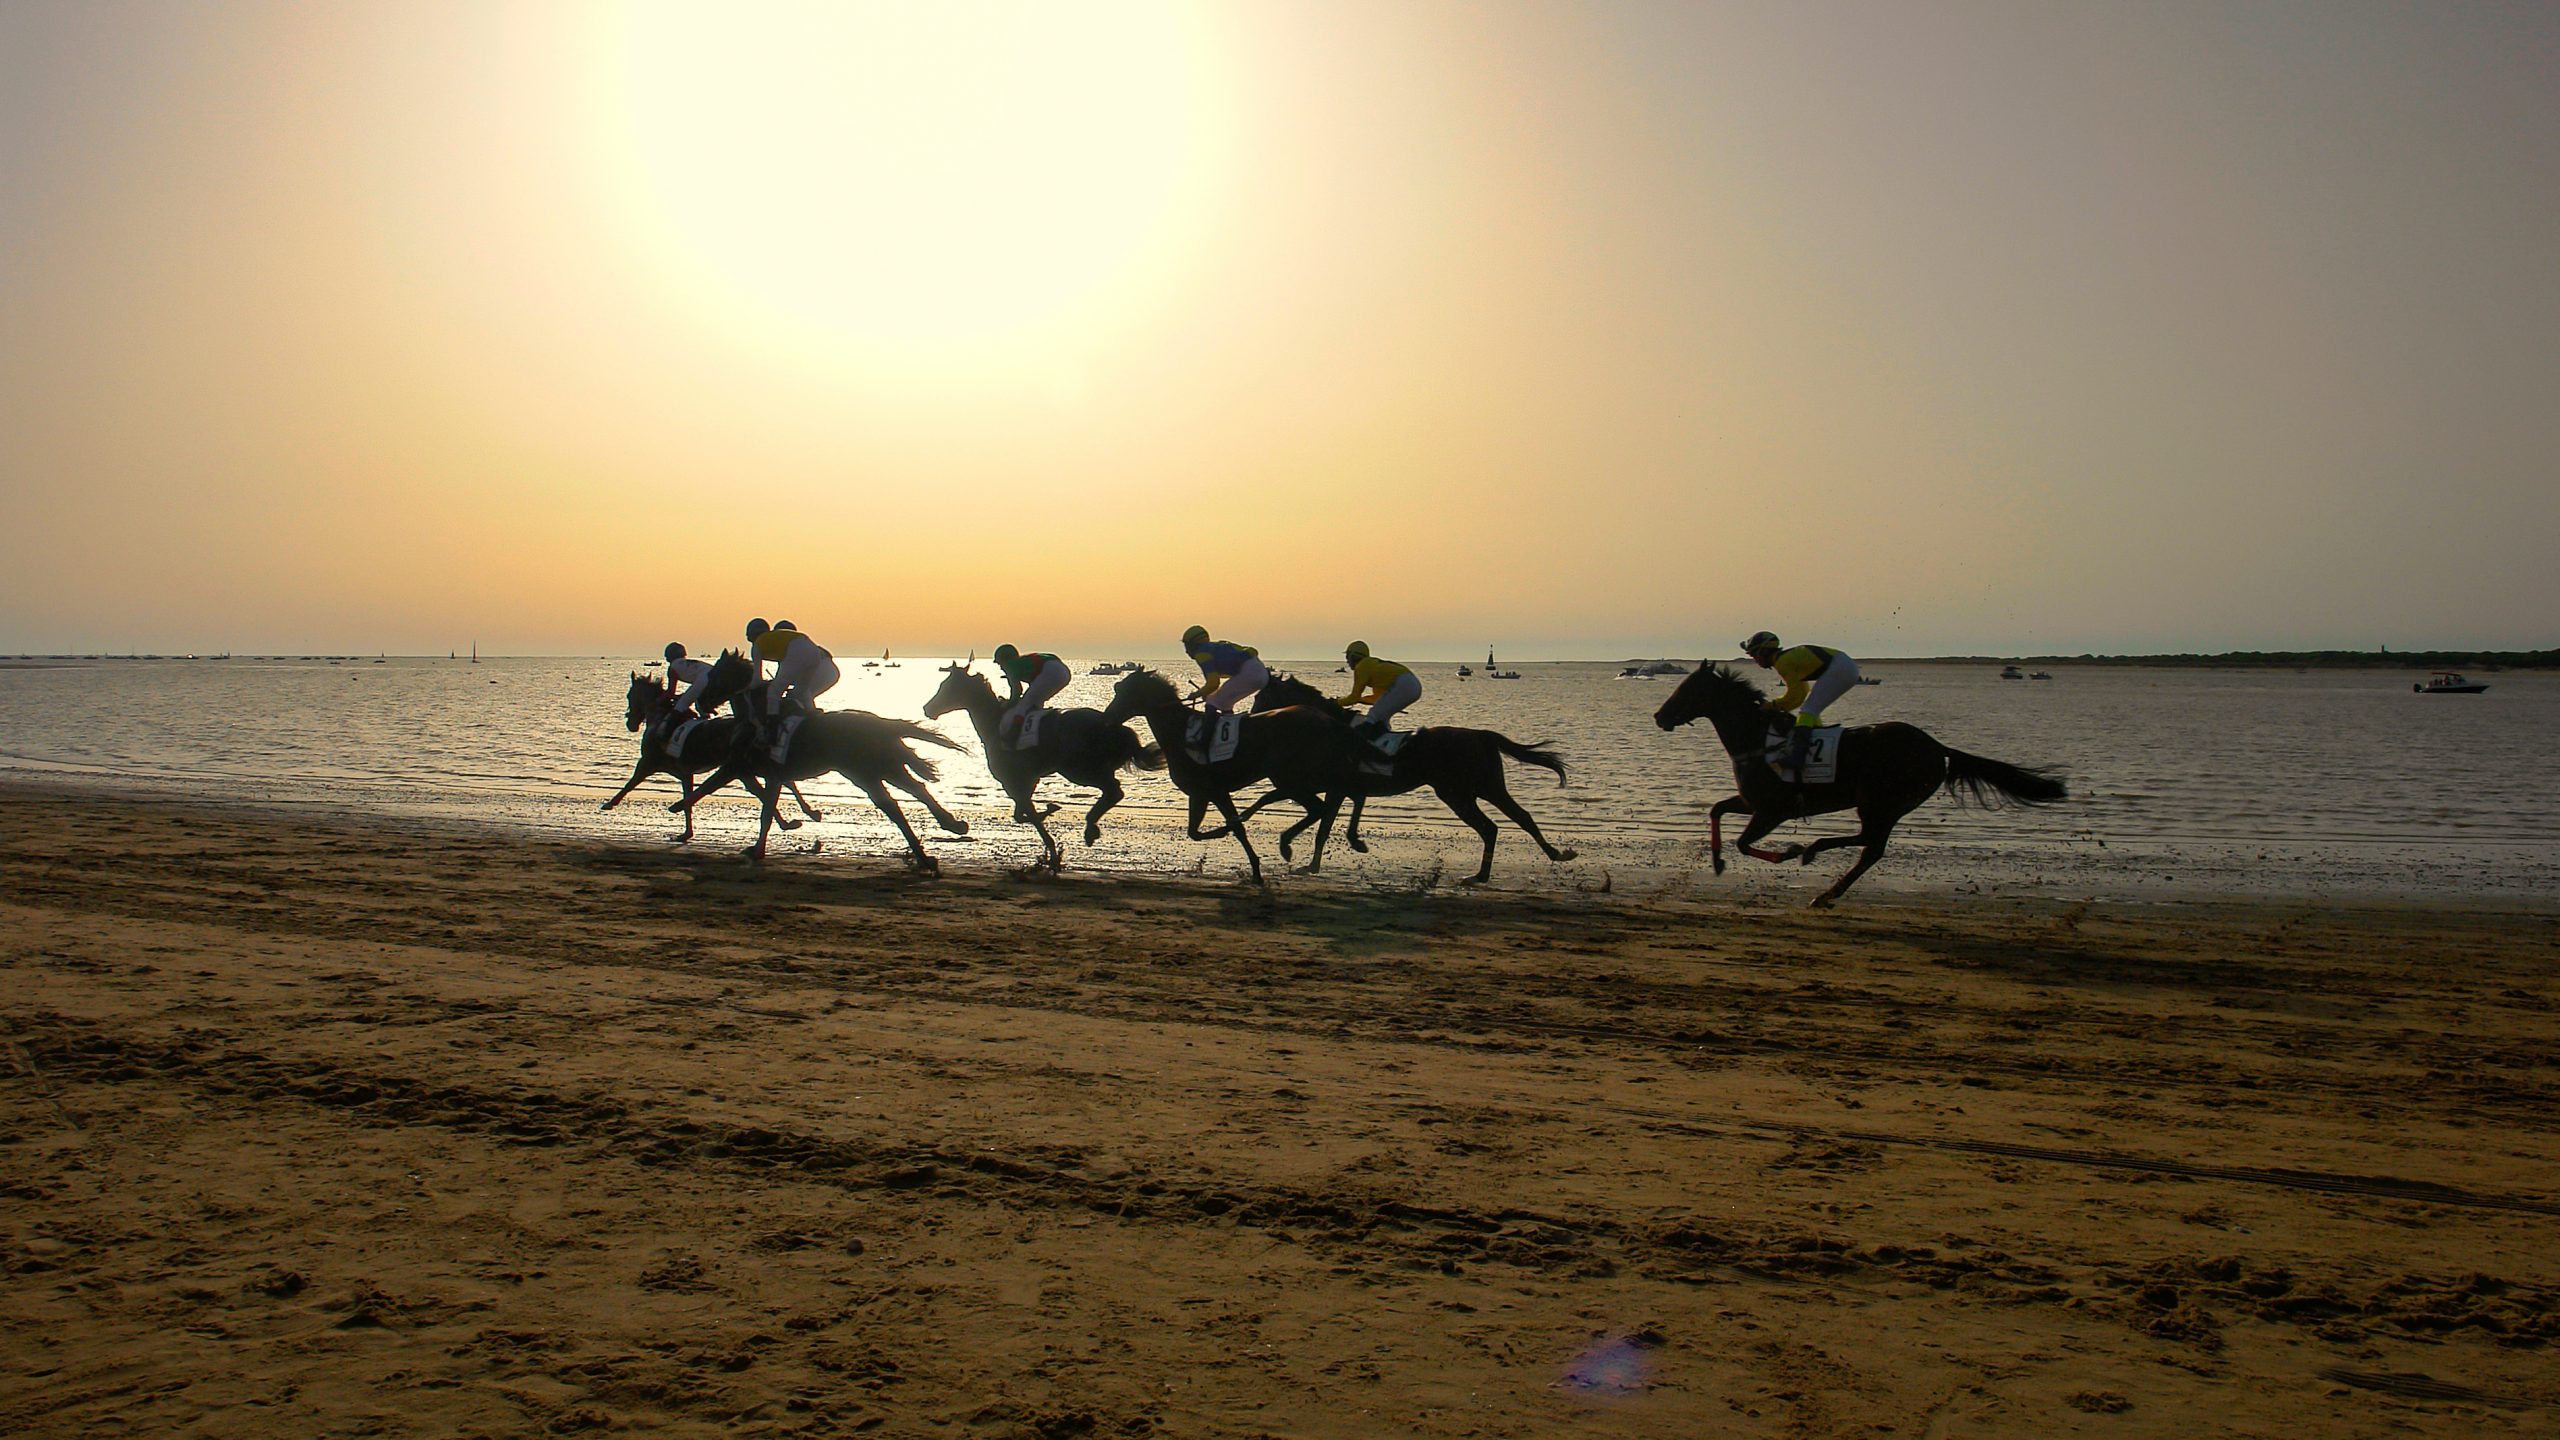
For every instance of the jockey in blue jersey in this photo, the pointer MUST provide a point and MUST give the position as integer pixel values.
(1229, 673)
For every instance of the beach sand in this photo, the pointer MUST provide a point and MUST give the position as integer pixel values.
(323, 1128)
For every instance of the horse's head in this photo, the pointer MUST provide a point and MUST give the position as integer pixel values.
(1140, 692)
(1714, 694)
(1282, 691)
(961, 687)
(731, 676)
(647, 698)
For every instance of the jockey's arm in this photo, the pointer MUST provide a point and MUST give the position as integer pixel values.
(1365, 684)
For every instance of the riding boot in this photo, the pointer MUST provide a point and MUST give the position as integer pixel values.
(1799, 745)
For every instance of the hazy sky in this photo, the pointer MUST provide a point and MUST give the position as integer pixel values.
(1580, 328)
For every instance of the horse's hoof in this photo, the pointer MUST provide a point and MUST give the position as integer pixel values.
(929, 868)
(1716, 865)
(1048, 809)
(1821, 902)
(1567, 854)
(1358, 847)
(1092, 833)
(1473, 880)
(787, 824)
(956, 826)
(606, 805)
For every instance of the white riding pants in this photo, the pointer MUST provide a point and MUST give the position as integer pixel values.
(1239, 687)
(1053, 677)
(1835, 681)
(804, 674)
(1406, 689)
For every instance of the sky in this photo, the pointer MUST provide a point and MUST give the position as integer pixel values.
(1581, 330)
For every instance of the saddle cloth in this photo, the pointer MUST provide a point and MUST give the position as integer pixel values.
(1028, 737)
(1378, 757)
(782, 734)
(679, 735)
(1212, 738)
(1821, 755)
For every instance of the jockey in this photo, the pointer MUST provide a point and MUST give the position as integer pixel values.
(1389, 686)
(1034, 678)
(1816, 675)
(688, 673)
(1229, 672)
(802, 668)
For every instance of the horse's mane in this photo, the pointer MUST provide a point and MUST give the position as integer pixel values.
(1153, 680)
(651, 683)
(1713, 682)
(1285, 690)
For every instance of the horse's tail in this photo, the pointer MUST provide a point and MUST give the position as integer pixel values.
(910, 730)
(1989, 782)
(918, 766)
(1537, 754)
(1146, 755)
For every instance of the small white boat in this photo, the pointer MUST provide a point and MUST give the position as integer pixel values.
(2446, 682)
(2012, 672)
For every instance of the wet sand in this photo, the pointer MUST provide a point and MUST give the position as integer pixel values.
(320, 1128)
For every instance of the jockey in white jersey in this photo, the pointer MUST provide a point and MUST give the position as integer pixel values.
(1034, 678)
(687, 672)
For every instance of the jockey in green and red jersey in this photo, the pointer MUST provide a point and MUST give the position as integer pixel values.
(1034, 678)
(1816, 675)
(1229, 673)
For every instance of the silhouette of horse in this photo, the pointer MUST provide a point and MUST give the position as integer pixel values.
(1078, 744)
(1461, 766)
(652, 700)
(1884, 772)
(1299, 750)
(868, 750)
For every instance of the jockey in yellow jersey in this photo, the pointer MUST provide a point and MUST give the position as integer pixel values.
(802, 671)
(1816, 675)
(1388, 686)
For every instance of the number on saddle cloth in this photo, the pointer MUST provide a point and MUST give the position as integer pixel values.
(782, 734)
(677, 737)
(1821, 753)
(1028, 736)
(1208, 745)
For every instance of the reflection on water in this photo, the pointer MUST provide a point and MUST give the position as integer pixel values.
(2240, 782)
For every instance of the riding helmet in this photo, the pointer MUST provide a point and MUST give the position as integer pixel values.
(1357, 650)
(756, 628)
(675, 650)
(785, 625)
(1762, 641)
(1196, 635)
(1006, 655)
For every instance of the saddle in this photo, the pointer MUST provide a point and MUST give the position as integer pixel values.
(780, 749)
(1821, 754)
(1212, 738)
(674, 740)
(1377, 751)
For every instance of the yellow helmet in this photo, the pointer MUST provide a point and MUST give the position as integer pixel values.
(1356, 650)
(1196, 635)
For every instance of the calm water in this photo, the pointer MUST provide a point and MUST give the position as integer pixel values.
(2325, 783)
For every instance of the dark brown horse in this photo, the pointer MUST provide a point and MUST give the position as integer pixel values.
(1298, 749)
(868, 750)
(1461, 766)
(1884, 772)
(648, 704)
(1079, 744)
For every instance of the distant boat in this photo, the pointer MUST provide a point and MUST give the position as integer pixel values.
(1869, 680)
(1109, 667)
(885, 662)
(2041, 675)
(1648, 669)
(2012, 672)
(2445, 682)
(1465, 670)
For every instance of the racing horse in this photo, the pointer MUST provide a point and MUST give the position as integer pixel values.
(1078, 744)
(1298, 750)
(1883, 772)
(651, 700)
(1461, 766)
(868, 750)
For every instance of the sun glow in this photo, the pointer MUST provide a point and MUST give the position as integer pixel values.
(935, 184)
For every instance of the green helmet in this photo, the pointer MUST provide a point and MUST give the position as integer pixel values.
(1006, 655)
(1196, 635)
(1357, 650)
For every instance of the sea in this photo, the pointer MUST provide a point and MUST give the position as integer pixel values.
(2186, 783)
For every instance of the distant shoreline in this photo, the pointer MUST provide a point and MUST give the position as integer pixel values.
(2483, 660)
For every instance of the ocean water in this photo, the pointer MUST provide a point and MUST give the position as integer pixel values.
(2185, 782)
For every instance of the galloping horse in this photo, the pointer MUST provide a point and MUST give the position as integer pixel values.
(1461, 766)
(1884, 772)
(1299, 750)
(867, 750)
(650, 701)
(1078, 744)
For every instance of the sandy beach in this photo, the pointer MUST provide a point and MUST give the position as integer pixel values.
(319, 1128)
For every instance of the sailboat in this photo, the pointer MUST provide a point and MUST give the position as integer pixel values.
(1493, 670)
(885, 662)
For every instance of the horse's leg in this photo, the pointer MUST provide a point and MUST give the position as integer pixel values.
(1748, 842)
(1874, 833)
(1051, 857)
(1351, 832)
(803, 799)
(944, 818)
(1289, 836)
(1464, 806)
(1324, 831)
(693, 793)
(1199, 812)
(1111, 795)
(764, 820)
(1730, 805)
(1500, 795)
(639, 772)
(888, 804)
(1227, 808)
